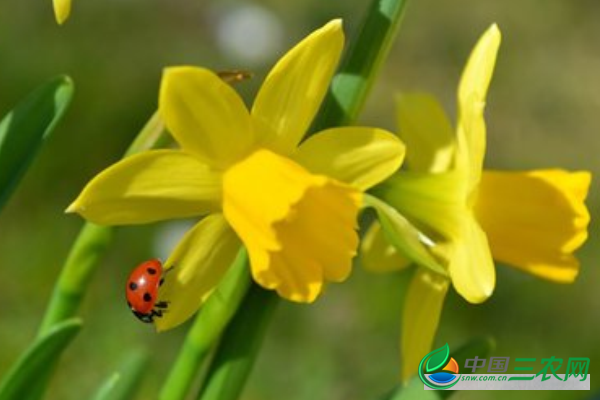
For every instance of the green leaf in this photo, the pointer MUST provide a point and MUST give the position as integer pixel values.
(368, 50)
(403, 235)
(437, 358)
(413, 391)
(105, 392)
(26, 127)
(20, 381)
(123, 384)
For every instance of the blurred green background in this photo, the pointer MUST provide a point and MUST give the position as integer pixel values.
(543, 111)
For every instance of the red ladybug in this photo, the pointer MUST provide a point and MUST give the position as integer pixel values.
(142, 291)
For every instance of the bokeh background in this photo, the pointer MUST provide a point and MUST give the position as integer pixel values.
(543, 111)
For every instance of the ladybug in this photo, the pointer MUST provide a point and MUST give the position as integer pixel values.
(142, 291)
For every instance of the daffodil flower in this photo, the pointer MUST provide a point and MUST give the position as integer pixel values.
(533, 220)
(294, 206)
(62, 9)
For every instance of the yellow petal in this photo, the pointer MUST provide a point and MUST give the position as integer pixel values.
(535, 220)
(472, 93)
(429, 137)
(420, 319)
(62, 9)
(148, 187)
(299, 228)
(195, 268)
(471, 265)
(377, 254)
(205, 115)
(361, 157)
(292, 93)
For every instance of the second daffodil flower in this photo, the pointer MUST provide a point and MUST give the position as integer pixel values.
(294, 206)
(533, 220)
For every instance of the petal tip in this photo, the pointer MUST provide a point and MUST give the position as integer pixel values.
(73, 208)
(336, 23)
(335, 27)
(494, 33)
(62, 10)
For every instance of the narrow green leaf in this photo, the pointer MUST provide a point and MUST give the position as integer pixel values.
(105, 392)
(19, 382)
(24, 129)
(360, 68)
(124, 383)
(403, 235)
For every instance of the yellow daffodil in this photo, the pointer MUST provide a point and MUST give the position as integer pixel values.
(62, 9)
(293, 206)
(533, 220)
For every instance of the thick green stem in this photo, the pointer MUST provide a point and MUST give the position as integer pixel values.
(90, 245)
(235, 355)
(239, 346)
(208, 326)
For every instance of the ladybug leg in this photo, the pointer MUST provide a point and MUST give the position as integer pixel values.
(162, 280)
(162, 304)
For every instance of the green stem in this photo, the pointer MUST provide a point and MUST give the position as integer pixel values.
(238, 348)
(208, 326)
(152, 136)
(91, 243)
(76, 274)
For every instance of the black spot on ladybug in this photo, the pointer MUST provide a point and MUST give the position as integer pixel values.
(133, 285)
(147, 297)
(151, 271)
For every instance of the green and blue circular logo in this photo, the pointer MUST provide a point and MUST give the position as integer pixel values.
(438, 370)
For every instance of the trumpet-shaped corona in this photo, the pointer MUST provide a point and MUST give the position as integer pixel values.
(274, 204)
